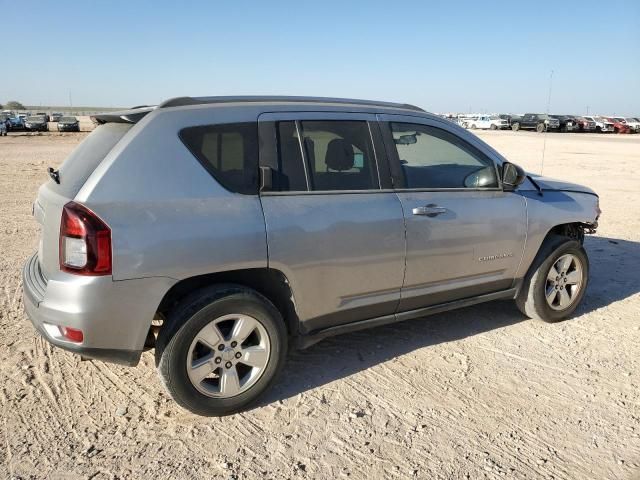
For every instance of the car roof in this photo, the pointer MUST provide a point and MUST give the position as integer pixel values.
(135, 114)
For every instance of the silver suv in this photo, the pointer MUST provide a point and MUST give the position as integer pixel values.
(222, 231)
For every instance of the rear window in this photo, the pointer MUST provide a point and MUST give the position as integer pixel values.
(78, 166)
(229, 152)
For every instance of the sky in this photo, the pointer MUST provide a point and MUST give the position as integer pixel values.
(448, 56)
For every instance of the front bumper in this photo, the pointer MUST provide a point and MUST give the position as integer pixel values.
(65, 128)
(114, 316)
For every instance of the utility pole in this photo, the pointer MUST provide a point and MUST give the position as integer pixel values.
(70, 103)
(587, 109)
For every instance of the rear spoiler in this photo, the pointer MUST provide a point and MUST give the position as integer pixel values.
(133, 115)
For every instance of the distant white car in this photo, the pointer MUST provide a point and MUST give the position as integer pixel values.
(487, 122)
(602, 124)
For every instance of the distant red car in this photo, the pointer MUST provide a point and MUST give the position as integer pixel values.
(618, 126)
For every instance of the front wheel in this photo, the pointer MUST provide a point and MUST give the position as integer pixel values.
(493, 126)
(515, 126)
(220, 349)
(541, 127)
(556, 282)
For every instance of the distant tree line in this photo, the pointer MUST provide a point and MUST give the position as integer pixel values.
(12, 105)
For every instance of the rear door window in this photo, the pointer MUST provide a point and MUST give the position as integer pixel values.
(229, 152)
(325, 155)
(340, 155)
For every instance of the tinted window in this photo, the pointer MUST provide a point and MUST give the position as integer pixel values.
(339, 155)
(229, 152)
(290, 175)
(434, 158)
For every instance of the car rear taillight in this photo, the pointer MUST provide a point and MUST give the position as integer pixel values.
(85, 242)
(72, 334)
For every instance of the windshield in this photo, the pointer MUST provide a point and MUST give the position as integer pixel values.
(68, 119)
(35, 119)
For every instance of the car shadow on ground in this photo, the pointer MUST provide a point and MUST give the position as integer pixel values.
(614, 276)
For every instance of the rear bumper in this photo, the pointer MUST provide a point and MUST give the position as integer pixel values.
(114, 316)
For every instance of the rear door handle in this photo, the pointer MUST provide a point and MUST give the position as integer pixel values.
(431, 210)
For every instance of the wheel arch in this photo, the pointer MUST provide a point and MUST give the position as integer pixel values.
(270, 283)
(572, 230)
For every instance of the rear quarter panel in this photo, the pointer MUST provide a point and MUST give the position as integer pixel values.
(168, 216)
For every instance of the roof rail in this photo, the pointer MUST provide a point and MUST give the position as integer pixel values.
(183, 101)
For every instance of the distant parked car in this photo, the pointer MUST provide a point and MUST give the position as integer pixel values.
(568, 123)
(632, 123)
(68, 124)
(602, 124)
(16, 123)
(37, 123)
(539, 122)
(487, 122)
(586, 125)
(42, 114)
(55, 116)
(618, 126)
(507, 118)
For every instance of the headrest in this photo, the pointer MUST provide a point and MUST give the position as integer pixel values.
(339, 155)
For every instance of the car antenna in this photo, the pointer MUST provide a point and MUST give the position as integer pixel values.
(544, 140)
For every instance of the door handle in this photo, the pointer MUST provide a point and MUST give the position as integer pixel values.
(430, 210)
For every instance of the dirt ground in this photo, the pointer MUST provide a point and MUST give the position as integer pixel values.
(476, 393)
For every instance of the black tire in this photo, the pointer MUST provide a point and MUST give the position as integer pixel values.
(598, 129)
(493, 126)
(531, 298)
(515, 126)
(540, 128)
(186, 320)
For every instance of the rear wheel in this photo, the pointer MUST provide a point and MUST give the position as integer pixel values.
(493, 126)
(556, 282)
(220, 349)
(515, 126)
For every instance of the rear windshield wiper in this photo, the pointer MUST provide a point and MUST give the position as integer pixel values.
(54, 174)
(535, 184)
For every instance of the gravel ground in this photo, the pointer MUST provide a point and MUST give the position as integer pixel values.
(476, 393)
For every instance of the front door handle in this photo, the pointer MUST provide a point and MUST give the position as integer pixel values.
(430, 210)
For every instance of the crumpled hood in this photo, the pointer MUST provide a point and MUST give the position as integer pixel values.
(547, 183)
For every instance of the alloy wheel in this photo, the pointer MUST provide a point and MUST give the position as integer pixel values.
(564, 282)
(228, 356)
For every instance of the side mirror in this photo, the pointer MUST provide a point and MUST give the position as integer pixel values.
(512, 176)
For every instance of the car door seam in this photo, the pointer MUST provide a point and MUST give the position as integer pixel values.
(404, 273)
(526, 236)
